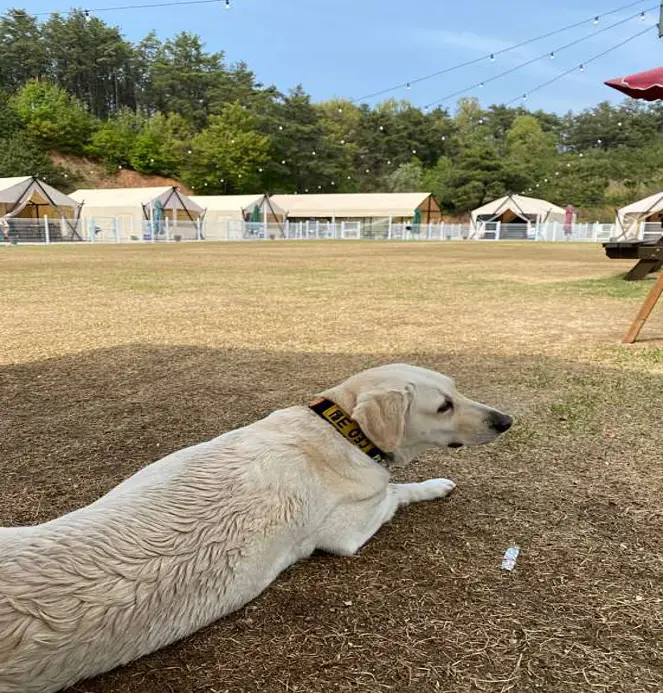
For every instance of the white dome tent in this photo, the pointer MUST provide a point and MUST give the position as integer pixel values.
(155, 213)
(514, 217)
(642, 219)
(231, 217)
(33, 211)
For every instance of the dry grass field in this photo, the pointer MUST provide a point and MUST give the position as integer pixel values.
(112, 357)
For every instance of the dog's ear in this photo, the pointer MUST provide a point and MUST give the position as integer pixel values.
(381, 415)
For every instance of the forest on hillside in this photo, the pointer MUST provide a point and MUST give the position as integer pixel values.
(75, 84)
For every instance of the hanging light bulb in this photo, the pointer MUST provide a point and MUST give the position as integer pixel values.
(480, 121)
(619, 124)
(581, 155)
(283, 161)
(545, 180)
(557, 173)
(342, 141)
(408, 86)
(313, 152)
(524, 97)
(444, 137)
(280, 127)
(481, 85)
(319, 187)
(492, 56)
(599, 141)
(227, 4)
(368, 170)
(596, 20)
(305, 189)
(389, 162)
(260, 169)
(414, 151)
(349, 177)
(381, 128)
(643, 16)
(582, 68)
(333, 183)
(340, 110)
(552, 55)
(568, 165)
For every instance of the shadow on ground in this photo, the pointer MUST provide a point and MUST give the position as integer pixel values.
(424, 606)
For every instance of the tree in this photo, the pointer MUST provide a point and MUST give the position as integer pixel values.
(530, 153)
(22, 52)
(91, 61)
(228, 154)
(53, 117)
(112, 142)
(406, 178)
(440, 181)
(21, 155)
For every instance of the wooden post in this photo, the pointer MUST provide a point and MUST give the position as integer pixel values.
(645, 311)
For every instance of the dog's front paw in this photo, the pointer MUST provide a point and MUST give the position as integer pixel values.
(438, 488)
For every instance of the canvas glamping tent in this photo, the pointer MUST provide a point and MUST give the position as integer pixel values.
(33, 211)
(139, 213)
(339, 206)
(642, 219)
(226, 215)
(514, 216)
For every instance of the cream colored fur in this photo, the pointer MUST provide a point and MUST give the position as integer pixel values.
(204, 530)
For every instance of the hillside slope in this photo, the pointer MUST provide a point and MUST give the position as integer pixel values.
(88, 173)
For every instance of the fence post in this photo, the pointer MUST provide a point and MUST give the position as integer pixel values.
(167, 229)
(198, 235)
(116, 230)
(342, 229)
(389, 229)
(47, 231)
(90, 231)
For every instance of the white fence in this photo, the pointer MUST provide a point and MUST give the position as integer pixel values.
(117, 230)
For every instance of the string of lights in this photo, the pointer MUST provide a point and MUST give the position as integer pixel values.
(580, 67)
(548, 54)
(491, 56)
(141, 6)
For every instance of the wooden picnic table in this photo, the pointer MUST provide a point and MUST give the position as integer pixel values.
(649, 255)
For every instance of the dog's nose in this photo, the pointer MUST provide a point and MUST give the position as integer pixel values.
(500, 422)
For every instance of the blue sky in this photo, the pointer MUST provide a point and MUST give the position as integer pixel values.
(350, 48)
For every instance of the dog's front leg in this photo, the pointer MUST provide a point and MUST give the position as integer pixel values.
(353, 525)
(421, 491)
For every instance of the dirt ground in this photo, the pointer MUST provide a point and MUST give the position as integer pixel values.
(114, 356)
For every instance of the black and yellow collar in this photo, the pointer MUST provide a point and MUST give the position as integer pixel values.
(347, 427)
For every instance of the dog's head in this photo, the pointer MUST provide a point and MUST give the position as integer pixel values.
(406, 409)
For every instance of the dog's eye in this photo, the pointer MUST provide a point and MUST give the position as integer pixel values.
(447, 405)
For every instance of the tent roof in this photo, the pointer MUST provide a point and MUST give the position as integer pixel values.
(13, 189)
(648, 205)
(127, 197)
(519, 204)
(351, 204)
(228, 203)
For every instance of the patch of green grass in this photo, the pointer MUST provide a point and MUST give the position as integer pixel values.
(608, 287)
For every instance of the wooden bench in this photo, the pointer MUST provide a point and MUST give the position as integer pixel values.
(649, 255)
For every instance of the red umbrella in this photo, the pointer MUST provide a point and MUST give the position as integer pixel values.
(647, 85)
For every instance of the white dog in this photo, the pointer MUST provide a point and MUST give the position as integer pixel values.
(203, 531)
